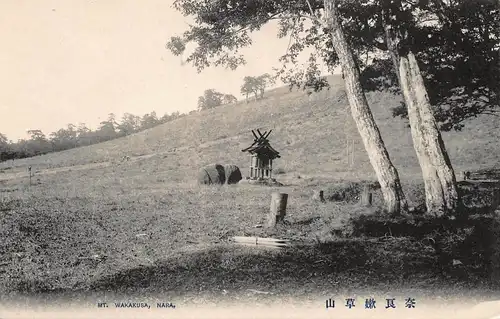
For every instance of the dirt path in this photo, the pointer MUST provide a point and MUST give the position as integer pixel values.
(20, 172)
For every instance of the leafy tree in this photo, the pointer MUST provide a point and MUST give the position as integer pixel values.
(6, 152)
(60, 140)
(256, 85)
(167, 118)
(448, 49)
(37, 135)
(249, 86)
(457, 44)
(149, 120)
(445, 57)
(129, 124)
(85, 135)
(439, 177)
(107, 129)
(21, 149)
(229, 99)
(38, 143)
(170, 117)
(210, 99)
(263, 82)
(175, 115)
(222, 28)
(3, 140)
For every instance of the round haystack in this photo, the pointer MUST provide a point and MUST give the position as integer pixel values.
(212, 174)
(233, 174)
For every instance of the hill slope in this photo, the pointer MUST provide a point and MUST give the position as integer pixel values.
(310, 132)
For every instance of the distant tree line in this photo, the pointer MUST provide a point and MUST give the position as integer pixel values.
(74, 136)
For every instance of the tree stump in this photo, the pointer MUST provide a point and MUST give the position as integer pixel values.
(318, 195)
(366, 196)
(277, 211)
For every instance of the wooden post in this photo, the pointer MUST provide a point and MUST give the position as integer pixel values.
(318, 195)
(366, 196)
(270, 168)
(278, 209)
(466, 175)
(29, 172)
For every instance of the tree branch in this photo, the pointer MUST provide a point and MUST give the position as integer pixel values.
(313, 16)
(290, 40)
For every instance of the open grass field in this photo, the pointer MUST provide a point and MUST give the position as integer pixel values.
(92, 223)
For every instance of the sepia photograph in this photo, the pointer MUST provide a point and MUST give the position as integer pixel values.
(250, 159)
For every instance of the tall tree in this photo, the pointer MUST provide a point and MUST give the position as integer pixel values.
(248, 87)
(443, 56)
(149, 120)
(439, 178)
(361, 113)
(223, 27)
(256, 85)
(457, 44)
(84, 135)
(129, 124)
(107, 129)
(264, 81)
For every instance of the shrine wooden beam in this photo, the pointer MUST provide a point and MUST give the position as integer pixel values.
(255, 135)
(268, 133)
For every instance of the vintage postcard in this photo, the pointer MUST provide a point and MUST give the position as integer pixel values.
(250, 159)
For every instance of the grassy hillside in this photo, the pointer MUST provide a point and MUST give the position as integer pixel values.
(310, 132)
(92, 223)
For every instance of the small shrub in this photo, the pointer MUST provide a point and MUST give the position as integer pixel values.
(469, 239)
(477, 195)
(348, 191)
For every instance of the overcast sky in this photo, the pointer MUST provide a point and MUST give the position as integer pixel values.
(76, 61)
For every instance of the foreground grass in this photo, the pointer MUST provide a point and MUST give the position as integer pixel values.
(153, 237)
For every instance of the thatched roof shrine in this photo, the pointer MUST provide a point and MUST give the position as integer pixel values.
(261, 146)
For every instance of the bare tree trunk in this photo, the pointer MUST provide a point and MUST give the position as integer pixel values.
(379, 158)
(441, 192)
(440, 181)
